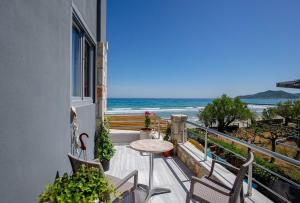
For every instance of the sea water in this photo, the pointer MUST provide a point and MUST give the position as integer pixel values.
(166, 107)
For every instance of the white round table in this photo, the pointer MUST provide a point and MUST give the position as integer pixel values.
(152, 146)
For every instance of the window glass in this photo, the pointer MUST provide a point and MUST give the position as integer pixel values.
(83, 62)
(76, 70)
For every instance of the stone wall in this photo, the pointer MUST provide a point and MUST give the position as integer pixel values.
(179, 134)
(101, 81)
(178, 128)
(191, 162)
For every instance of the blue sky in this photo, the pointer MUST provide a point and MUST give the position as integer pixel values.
(201, 48)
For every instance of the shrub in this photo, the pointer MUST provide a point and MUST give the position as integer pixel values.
(104, 149)
(86, 185)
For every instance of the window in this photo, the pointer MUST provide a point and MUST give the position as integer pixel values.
(76, 72)
(83, 63)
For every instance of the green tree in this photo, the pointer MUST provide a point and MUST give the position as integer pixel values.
(205, 115)
(269, 113)
(296, 109)
(223, 111)
(289, 110)
(286, 110)
(252, 132)
(273, 133)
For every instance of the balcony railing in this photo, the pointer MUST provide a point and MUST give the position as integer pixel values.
(254, 148)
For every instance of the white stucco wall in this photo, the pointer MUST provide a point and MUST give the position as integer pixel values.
(35, 99)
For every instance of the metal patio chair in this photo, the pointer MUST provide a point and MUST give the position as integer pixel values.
(206, 189)
(122, 185)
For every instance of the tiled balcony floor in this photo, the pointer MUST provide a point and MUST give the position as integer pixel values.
(168, 172)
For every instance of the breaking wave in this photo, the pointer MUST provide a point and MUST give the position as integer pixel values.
(154, 110)
(253, 107)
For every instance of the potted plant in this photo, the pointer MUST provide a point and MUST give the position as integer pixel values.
(103, 145)
(146, 132)
(167, 138)
(86, 185)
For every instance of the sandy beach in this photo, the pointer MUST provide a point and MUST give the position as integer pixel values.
(135, 122)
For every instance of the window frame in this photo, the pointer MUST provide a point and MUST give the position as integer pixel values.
(91, 65)
(85, 37)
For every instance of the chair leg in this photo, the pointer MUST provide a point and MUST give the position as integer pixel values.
(242, 195)
(188, 199)
(133, 197)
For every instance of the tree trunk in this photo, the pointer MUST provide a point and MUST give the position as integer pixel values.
(273, 149)
(221, 128)
(286, 121)
(221, 125)
(298, 145)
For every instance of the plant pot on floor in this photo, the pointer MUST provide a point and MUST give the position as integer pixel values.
(167, 153)
(105, 164)
(146, 133)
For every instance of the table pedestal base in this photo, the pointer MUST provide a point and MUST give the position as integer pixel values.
(152, 146)
(153, 191)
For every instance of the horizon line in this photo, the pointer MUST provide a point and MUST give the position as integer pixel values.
(182, 98)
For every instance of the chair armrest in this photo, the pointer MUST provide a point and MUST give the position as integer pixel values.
(96, 160)
(221, 163)
(195, 179)
(128, 177)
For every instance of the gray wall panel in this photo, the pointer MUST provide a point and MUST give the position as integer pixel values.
(88, 10)
(35, 94)
(87, 125)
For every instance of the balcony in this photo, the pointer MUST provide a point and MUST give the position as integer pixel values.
(174, 172)
(168, 172)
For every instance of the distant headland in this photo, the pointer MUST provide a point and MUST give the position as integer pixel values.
(270, 94)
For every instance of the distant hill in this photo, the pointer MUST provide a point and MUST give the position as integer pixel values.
(271, 95)
(297, 94)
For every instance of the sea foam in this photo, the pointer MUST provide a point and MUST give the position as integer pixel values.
(253, 107)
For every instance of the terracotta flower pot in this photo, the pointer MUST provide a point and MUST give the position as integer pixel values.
(167, 153)
(213, 148)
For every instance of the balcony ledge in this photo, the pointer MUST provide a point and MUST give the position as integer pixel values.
(190, 155)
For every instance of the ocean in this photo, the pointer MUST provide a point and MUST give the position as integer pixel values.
(166, 107)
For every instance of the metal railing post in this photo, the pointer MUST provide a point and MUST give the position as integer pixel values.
(158, 128)
(183, 138)
(250, 177)
(249, 190)
(205, 146)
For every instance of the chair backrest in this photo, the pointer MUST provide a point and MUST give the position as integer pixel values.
(238, 183)
(77, 162)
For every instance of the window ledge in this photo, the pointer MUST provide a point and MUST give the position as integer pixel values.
(77, 102)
